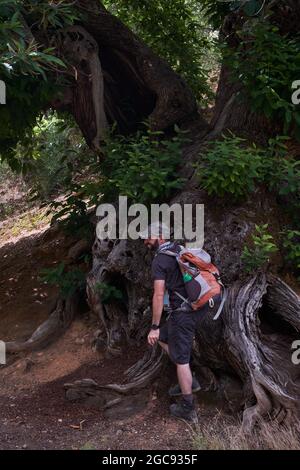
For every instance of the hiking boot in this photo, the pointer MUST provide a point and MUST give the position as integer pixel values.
(184, 410)
(175, 391)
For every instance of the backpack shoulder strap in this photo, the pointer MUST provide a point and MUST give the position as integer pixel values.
(169, 253)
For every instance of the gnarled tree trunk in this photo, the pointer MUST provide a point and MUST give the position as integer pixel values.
(118, 78)
(252, 338)
(115, 77)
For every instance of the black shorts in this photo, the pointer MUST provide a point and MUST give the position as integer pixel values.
(179, 331)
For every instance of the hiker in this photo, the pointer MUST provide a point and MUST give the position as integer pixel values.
(176, 335)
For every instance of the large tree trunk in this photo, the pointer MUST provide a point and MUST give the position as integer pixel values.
(118, 78)
(253, 337)
(251, 340)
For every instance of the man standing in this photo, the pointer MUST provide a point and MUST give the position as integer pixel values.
(177, 334)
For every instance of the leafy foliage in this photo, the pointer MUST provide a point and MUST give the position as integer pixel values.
(232, 167)
(267, 64)
(50, 157)
(67, 281)
(23, 63)
(282, 175)
(20, 53)
(73, 215)
(291, 244)
(143, 167)
(108, 292)
(216, 10)
(258, 255)
(286, 177)
(177, 31)
(228, 168)
(51, 14)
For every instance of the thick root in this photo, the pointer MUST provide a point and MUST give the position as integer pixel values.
(57, 323)
(129, 396)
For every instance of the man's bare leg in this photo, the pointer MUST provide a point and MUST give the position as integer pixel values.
(185, 378)
(184, 373)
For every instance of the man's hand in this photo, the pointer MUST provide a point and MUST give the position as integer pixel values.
(153, 337)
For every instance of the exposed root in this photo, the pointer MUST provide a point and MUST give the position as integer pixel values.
(251, 340)
(139, 377)
(57, 323)
(262, 318)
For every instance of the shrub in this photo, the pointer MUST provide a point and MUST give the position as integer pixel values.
(267, 64)
(286, 177)
(291, 244)
(50, 156)
(108, 292)
(258, 255)
(68, 282)
(72, 214)
(142, 167)
(227, 168)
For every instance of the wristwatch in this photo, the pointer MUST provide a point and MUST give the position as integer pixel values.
(154, 327)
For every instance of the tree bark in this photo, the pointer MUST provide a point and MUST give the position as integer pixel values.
(253, 337)
(251, 340)
(114, 67)
(116, 77)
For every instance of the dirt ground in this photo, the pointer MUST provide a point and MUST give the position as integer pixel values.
(34, 411)
(36, 415)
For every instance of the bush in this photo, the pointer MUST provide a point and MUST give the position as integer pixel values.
(51, 155)
(291, 244)
(72, 214)
(267, 64)
(68, 282)
(108, 292)
(286, 177)
(227, 168)
(258, 255)
(177, 31)
(142, 167)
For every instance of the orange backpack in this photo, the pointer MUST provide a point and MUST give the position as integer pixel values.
(201, 278)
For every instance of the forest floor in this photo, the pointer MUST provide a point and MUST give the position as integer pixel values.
(33, 409)
(34, 413)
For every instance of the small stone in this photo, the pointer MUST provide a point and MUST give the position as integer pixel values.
(79, 341)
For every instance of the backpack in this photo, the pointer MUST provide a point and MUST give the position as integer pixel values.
(201, 277)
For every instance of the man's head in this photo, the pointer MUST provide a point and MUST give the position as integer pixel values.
(155, 235)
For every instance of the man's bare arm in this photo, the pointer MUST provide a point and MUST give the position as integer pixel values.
(157, 309)
(158, 301)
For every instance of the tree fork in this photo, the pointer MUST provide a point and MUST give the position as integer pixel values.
(118, 78)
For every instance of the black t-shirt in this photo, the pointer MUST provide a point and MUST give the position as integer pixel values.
(165, 268)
